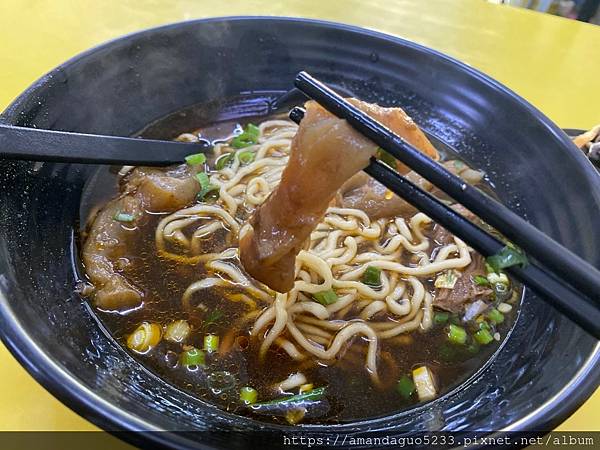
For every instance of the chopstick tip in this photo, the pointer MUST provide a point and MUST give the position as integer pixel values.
(296, 114)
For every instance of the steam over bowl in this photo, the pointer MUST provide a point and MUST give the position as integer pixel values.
(546, 369)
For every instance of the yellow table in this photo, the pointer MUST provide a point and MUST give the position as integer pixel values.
(552, 62)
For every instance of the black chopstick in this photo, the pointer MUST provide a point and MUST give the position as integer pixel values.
(565, 298)
(537, 245)
(33, 144)
(575, 305)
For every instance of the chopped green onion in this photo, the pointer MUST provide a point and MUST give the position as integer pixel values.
(242, 141)
(252, 130)
(372, 276)
(193, 357)
(456, 334)
(247, 138)
(385, 157)
(483, 336)
(423, 380)
(495, 316)
(196, 159)
(507, 257)
(177, 331)
(124, 217)
(223, 161)
(495, 278)
(205, 185)
(203, 179)
(440, 318)
(405, 386)
(246, 157)
(315, 394)
(459, 165)
(483, 325)
(480, 280)
(213, 317)
(248, 395)
(447, 280)
(146, 336)
(502, 292)
(307, 387)
(211, 343)
(326, 297)
(504, 308)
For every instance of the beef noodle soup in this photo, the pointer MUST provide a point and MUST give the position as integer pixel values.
(364, 306)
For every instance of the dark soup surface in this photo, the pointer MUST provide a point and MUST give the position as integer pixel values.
(387, 310)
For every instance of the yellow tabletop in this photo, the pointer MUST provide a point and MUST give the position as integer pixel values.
(551, 61)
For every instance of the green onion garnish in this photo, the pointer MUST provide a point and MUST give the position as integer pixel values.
(246, 157)
(495, 278)
(372, 276)
(405, 386)
(241, 142)
(483, 337)
(502, 292)
(314, 394)
(205, 185)
(495, 316)
(193, 357)
(247, 138)
(252, 130)
(484, 326)
(458, 165)
(326, 297)
(196, 159)
(124, 217)
(212, 318)
(447, 279)
(507, 257)
(203, 179)
(385, 157)
(480, 280)
(211, 343)
(223, 161)
(248, 395)
(456, 334)
(440, 318)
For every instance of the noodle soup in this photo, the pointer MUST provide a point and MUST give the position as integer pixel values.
(386, 311)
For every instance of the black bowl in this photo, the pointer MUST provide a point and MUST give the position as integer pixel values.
(546, 369)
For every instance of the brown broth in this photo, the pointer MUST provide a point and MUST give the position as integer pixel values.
(348, 383)
(350, 393)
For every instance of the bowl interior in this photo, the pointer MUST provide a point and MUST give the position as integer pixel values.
(122, 86)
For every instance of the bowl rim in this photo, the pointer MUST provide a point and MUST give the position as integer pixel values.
(94, 408)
